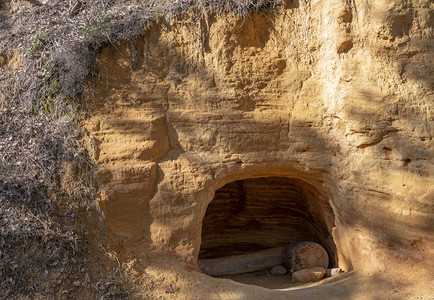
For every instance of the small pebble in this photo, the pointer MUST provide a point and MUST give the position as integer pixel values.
(332, 272)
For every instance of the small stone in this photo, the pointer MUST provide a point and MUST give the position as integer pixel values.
(305, 255)
(307, 275)
(332, 272)
(278, 270)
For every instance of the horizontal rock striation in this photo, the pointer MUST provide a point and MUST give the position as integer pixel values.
(261, 213)
(336, 98)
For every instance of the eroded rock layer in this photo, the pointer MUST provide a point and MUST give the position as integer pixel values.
(336, 96)
(254, 214)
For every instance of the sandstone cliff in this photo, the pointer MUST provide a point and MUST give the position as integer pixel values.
(213, 134)
(335, 96)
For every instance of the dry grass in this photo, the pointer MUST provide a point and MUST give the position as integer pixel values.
(46, 182)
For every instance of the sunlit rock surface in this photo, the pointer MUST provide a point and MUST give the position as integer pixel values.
(334, 96)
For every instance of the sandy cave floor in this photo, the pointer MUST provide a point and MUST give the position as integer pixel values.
(275, 282)
(171, 284)
(343, 286)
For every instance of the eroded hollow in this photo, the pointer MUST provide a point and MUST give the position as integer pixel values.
(255, 214)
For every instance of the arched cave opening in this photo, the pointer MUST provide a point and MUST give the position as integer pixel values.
(261, 213)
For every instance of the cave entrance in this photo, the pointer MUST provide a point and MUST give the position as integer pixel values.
(260, 213)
